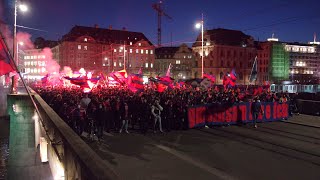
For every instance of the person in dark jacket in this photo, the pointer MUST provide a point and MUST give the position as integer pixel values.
(99, 115)
(256, 109)
(124, 114)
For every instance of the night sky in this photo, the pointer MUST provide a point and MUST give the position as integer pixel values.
(290, 20)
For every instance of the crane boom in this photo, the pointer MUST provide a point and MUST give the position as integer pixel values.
(157, 7)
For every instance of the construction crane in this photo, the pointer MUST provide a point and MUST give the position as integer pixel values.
(160, 11)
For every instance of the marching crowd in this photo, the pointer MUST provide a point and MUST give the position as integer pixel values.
(113, 109)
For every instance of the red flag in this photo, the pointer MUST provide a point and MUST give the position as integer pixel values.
(6, 64)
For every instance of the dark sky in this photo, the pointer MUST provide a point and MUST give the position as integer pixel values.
(290, 20)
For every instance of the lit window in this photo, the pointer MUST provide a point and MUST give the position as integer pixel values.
(105, 58)
(184, 57)
(25, 63)
(130, 50)
(43, 56)
(114, 50)
(129, 65)
(139, 44)
(120, 64)
(39, 57)
(94, 62)
(103, 64)
(43, 69)
(151, 51)
(85, 39)
(31, 63)
(120, 50)
(147, 51)
(114, 64)
(177, 61)
(141, 51)
(85, 47)
(34, 57)
(79, 46)
(151, 65)
(31, 70)
(146, 65)
(137, 51)
(130, 43)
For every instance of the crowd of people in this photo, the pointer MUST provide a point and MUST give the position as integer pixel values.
(114, 109)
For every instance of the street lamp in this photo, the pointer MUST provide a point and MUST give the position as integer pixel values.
(22, 8)
(198, 25)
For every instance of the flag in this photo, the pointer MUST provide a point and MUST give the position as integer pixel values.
(135, 83)
(83, 82)
(120, 76)
(233, 78)
(168, 71)
(212, 78)
(44, 80)
(6, 64)
(229, 79)
(254, 71)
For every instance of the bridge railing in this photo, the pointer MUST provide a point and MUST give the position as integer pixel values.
(67, 152)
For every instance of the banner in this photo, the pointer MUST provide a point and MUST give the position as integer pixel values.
(218, 114)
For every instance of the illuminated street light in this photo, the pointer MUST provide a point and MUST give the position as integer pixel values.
(22, 8)
(198, 25)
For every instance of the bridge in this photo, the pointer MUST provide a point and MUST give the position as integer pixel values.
(278, 150)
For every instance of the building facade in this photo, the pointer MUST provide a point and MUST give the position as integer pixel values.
(225, 50)
(106, 50)
(304, 60)
(34, 64)
(181, 59)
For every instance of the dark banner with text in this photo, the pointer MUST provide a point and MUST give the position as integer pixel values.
(218, 114)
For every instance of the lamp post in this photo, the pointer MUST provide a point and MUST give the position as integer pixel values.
(22, 8)
(198, 25)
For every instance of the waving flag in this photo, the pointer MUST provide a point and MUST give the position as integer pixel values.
(135, 82)
(120, 76)
(229, 80)
(6, 65)
(254, 71)
(83, 82)
(212, 78)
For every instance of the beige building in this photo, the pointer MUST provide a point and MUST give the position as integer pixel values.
(225, 50)
(181, 59)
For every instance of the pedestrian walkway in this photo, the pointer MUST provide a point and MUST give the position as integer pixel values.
(305, 120)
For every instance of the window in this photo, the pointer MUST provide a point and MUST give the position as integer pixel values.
(85, 39)
(130, 43)
(141, 51)
(114, 64)
(79, 47)
(146, 65)
(151, 51)
(85, 47)
(137, 51)
(177, 61)
(139, 44)
(184, 57)
(120, 64)
(151, 65)
(115, 50)
(130, 50)
(147, 51)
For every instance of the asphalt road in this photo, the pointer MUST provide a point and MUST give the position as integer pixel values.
(276, 150)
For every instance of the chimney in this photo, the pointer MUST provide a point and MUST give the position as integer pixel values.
(110, 27)
(124, 29)
(96, 26)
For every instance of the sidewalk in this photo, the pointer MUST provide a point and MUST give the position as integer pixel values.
(305, 120)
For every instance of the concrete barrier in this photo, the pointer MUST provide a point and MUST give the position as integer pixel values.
(68, 155)
(78, 159)
(308, 107)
